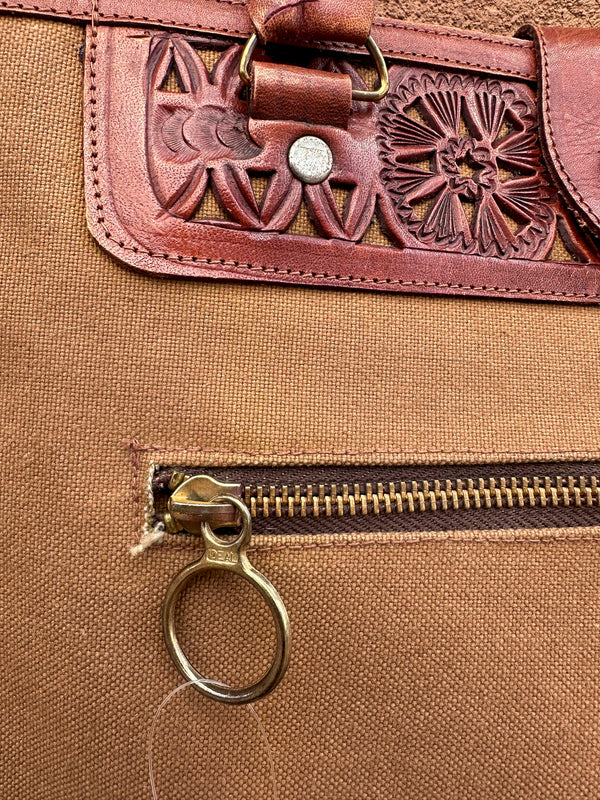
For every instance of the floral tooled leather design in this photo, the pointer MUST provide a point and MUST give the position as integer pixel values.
(185, 180)
(450, 139)
(204, 132)
(490, 130)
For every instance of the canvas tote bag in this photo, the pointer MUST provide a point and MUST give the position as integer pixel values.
(300, 353)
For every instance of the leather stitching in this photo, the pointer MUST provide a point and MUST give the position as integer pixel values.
(564, 174)
(380, 23)
(118, 17)
(471, 36)
(441, 59)
(242, 267)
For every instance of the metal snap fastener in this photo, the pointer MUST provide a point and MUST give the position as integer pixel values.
(310, 159)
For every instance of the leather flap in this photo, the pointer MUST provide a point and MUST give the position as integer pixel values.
(569, 112)
(439, 188)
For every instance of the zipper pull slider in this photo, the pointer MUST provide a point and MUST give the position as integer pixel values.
(199, 504)
(193, 502)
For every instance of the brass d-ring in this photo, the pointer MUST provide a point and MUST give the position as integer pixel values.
(357, 94)
(229, 556)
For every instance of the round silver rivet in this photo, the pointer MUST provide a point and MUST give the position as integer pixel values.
(310, 159)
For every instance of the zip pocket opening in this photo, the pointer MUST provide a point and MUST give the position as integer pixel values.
(342, 499)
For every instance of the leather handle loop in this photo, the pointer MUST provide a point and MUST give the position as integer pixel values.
(371, 95)
(303, 95)
(301, 21)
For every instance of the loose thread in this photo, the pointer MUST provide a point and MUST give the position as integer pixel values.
(149, 537)
(253, 713)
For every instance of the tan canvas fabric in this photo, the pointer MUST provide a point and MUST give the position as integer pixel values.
(450, 668)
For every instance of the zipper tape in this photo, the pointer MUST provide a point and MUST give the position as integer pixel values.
(336, 499)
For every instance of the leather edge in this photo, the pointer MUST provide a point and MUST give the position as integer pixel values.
(555, 162)
(407, 270)
(398, 39)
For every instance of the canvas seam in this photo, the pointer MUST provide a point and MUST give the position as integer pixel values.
(137, 446)
(475, 537)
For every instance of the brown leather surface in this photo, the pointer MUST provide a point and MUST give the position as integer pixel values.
(312, 20)
(143, 208)
(569, 102)
(281, 91)
(408, 40)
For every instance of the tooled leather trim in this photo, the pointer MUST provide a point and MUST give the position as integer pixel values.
(243, 266)
(556, 158)
(498, 41)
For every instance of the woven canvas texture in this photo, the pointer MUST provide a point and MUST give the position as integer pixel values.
(439, 669)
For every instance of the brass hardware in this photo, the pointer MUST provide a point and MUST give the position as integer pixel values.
(372, 95)
(192, 503)
(381, 497)
(230, 556)
(246, 57)
(401, 497)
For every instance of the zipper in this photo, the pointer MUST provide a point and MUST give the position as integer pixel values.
(315, 500)
(200, 504)
(345, 499)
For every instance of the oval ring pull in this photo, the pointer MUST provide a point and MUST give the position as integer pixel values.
(371, 95)
(231, 557)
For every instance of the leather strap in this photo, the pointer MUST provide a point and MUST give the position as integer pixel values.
(411, 42)
(569, 112)
(304, 95)
(312, 20)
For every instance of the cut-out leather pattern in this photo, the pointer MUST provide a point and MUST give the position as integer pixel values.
(489, 128)
(451, 140)
(203, 133)
(181, 180)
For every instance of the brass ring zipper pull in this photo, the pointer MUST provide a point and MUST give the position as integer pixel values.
(229, 556)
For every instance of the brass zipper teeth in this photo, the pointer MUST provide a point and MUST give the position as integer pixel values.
(415, 496)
